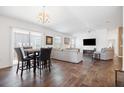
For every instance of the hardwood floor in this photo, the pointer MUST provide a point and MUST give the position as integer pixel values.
(64, 74)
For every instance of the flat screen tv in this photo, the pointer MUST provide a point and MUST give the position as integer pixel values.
(89, 42)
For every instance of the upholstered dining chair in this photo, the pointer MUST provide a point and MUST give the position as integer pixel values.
(23, 60)
(44, 59)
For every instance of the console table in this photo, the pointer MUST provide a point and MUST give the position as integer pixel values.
(88, 52)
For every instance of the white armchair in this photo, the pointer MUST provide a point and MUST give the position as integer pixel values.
(107, 53)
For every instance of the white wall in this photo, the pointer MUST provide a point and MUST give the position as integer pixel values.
(103, 37)
(79, 40)
(6, 25)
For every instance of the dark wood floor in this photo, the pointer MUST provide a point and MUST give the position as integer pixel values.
(63, 74)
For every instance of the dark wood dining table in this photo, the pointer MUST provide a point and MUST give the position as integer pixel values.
(34, 52)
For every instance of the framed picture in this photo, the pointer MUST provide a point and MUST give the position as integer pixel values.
(49, 40)
(66, 41)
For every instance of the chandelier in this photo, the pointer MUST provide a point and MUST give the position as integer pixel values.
(43, 16)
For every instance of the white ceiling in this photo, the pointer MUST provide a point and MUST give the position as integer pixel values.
(71, 19)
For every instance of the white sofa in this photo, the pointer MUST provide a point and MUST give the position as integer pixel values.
(69, 55)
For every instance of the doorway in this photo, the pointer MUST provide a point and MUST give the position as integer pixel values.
(120, 43)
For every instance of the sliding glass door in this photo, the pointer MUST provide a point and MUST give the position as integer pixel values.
(24, 38)
(21, 39)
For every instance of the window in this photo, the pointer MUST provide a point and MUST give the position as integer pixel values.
(57, 42)
(27, 38)
(35, 40)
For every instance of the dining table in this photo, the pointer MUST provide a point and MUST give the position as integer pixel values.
(35, 52)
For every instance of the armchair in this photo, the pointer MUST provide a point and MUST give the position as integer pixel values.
(107, 53)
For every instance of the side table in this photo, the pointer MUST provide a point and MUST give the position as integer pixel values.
(96, 55)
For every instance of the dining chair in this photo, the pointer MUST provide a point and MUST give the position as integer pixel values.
(44, 59)
(23, 60)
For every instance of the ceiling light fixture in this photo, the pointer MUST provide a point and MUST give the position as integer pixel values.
(43, 16)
